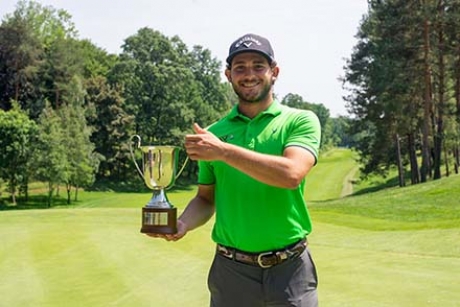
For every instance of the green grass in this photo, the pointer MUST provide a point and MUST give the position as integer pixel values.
(326, 180)
(96, 257)
(394, 247)
(432, 205)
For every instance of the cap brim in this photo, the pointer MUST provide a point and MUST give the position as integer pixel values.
(231, 56)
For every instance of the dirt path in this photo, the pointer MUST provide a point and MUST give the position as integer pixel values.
(347, 184)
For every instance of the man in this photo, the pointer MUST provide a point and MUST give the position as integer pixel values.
(252, 168)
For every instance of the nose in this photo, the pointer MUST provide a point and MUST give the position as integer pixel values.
(250, 73)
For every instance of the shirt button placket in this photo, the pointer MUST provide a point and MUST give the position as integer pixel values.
(250, 137)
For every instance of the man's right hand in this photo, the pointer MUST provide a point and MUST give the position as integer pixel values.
(181, 232)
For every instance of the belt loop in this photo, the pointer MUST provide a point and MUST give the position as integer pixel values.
(283, 255)
(229, 253)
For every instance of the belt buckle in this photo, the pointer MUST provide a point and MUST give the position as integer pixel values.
(259, 260)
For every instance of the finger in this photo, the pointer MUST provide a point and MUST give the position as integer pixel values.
(155, 235)
(198, 129)
(192, 138)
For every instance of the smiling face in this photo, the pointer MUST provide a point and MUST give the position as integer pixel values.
(252, 77)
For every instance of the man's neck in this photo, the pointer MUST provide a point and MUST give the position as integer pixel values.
(252, 109)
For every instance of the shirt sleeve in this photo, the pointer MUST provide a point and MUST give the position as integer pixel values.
(206, 173)
(306, 132)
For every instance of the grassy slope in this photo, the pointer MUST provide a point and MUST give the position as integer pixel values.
(326, 179)
(397, 247)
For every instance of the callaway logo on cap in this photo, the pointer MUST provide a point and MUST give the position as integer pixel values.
(251, 43)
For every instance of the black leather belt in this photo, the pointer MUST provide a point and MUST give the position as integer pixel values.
(265, 259)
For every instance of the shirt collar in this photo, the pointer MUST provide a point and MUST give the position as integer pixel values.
(274, 109)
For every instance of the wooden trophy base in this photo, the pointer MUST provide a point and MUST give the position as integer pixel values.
(159, 220)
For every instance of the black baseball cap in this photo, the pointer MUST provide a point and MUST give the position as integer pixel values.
(251, 43)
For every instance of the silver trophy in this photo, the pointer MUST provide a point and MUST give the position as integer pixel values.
(159, 170)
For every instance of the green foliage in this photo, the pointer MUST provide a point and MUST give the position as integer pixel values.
(401, 85)
(166, 87)
(40, 58)
(96, 61)
(88, 103)
(339, 131)
(112, 128)
(17, 131)
(296, 101)
(82, 162)
(50, 152)
(20, 58)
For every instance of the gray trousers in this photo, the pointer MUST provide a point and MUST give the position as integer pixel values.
(291, 283)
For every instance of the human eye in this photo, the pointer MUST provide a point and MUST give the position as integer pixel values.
(238, 68)
(259, 67)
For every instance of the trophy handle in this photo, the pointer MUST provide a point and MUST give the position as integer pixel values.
(179, 172)
(182, 168)
(138, 145)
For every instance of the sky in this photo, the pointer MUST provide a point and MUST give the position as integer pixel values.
(311, 38)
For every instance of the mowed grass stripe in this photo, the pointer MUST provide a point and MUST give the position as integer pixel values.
(326, 180)
(17, 267)
(96, 257)
(400, 268)
(119, 267)
(63, 256)
(431, 205)
(397, 247)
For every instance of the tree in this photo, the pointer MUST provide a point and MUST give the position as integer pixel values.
(166, 87)
(378, 76)
(61, 64)
(20, 58)
(340, 131)
(157, 86)
(452, 30)
(206, 71)
(112, 128)
(400, 85)
(17, 131)
(38, 56)
(96, 61)
(82, 161)
(50, 152)
(296, 101)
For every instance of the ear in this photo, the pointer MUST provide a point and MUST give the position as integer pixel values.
(275, 72)
(228, 75)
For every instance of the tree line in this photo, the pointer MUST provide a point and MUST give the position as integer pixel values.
(68, 108)
(403, 80)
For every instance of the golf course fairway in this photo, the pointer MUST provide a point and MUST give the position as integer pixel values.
(394, 247)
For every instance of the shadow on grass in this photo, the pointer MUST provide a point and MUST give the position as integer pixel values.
(33, 202)
(40, 201)
(134, 187)
(378, 186)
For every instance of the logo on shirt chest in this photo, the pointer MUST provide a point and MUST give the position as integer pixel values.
(226, 138)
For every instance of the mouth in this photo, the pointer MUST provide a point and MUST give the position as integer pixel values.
(249, 85)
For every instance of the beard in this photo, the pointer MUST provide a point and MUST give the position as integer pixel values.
(253, 96)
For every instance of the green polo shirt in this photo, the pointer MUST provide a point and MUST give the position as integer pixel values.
(250, 215)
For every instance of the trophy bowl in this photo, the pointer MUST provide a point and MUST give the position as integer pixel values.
(159, 171)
